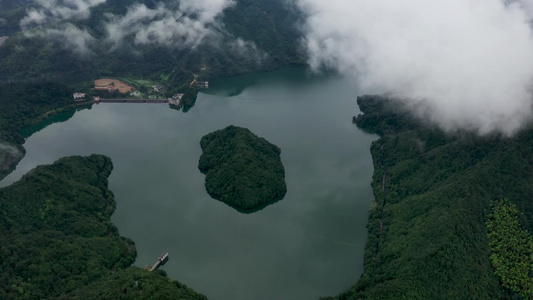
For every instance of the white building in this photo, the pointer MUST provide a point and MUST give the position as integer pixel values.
(78, 96)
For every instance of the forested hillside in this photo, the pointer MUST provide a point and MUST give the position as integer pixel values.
(11, 12)
(22, 105)
(256, 35)
(58, 240)
(433, 192)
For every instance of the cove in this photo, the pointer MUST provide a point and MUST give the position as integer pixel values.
(308, 245)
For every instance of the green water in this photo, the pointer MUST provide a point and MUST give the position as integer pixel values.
(307, 245)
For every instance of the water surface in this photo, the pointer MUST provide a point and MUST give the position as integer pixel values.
(307, 245)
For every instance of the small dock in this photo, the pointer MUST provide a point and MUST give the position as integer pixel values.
(161, 260)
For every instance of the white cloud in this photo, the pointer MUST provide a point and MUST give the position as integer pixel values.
(183, 23)
(71, 37)
(50, 11)
(183, 26)
(461, 63)
(57, 10)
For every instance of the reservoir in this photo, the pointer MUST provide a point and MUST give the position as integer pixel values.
(309, 244)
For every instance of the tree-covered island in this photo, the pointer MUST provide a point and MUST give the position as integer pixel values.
(242, 169)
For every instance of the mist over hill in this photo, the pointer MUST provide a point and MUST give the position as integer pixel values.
(460, 64)
(167, 41)
(462, 68)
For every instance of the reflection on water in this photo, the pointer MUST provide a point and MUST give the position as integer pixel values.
(61, 117)
(310, 244)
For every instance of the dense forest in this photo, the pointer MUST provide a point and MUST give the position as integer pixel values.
(428, 236)
(511, 248)
(266, 24)
(242, 169)
(452, 217)
(58, 240)
(22, 105)
(253, 36)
